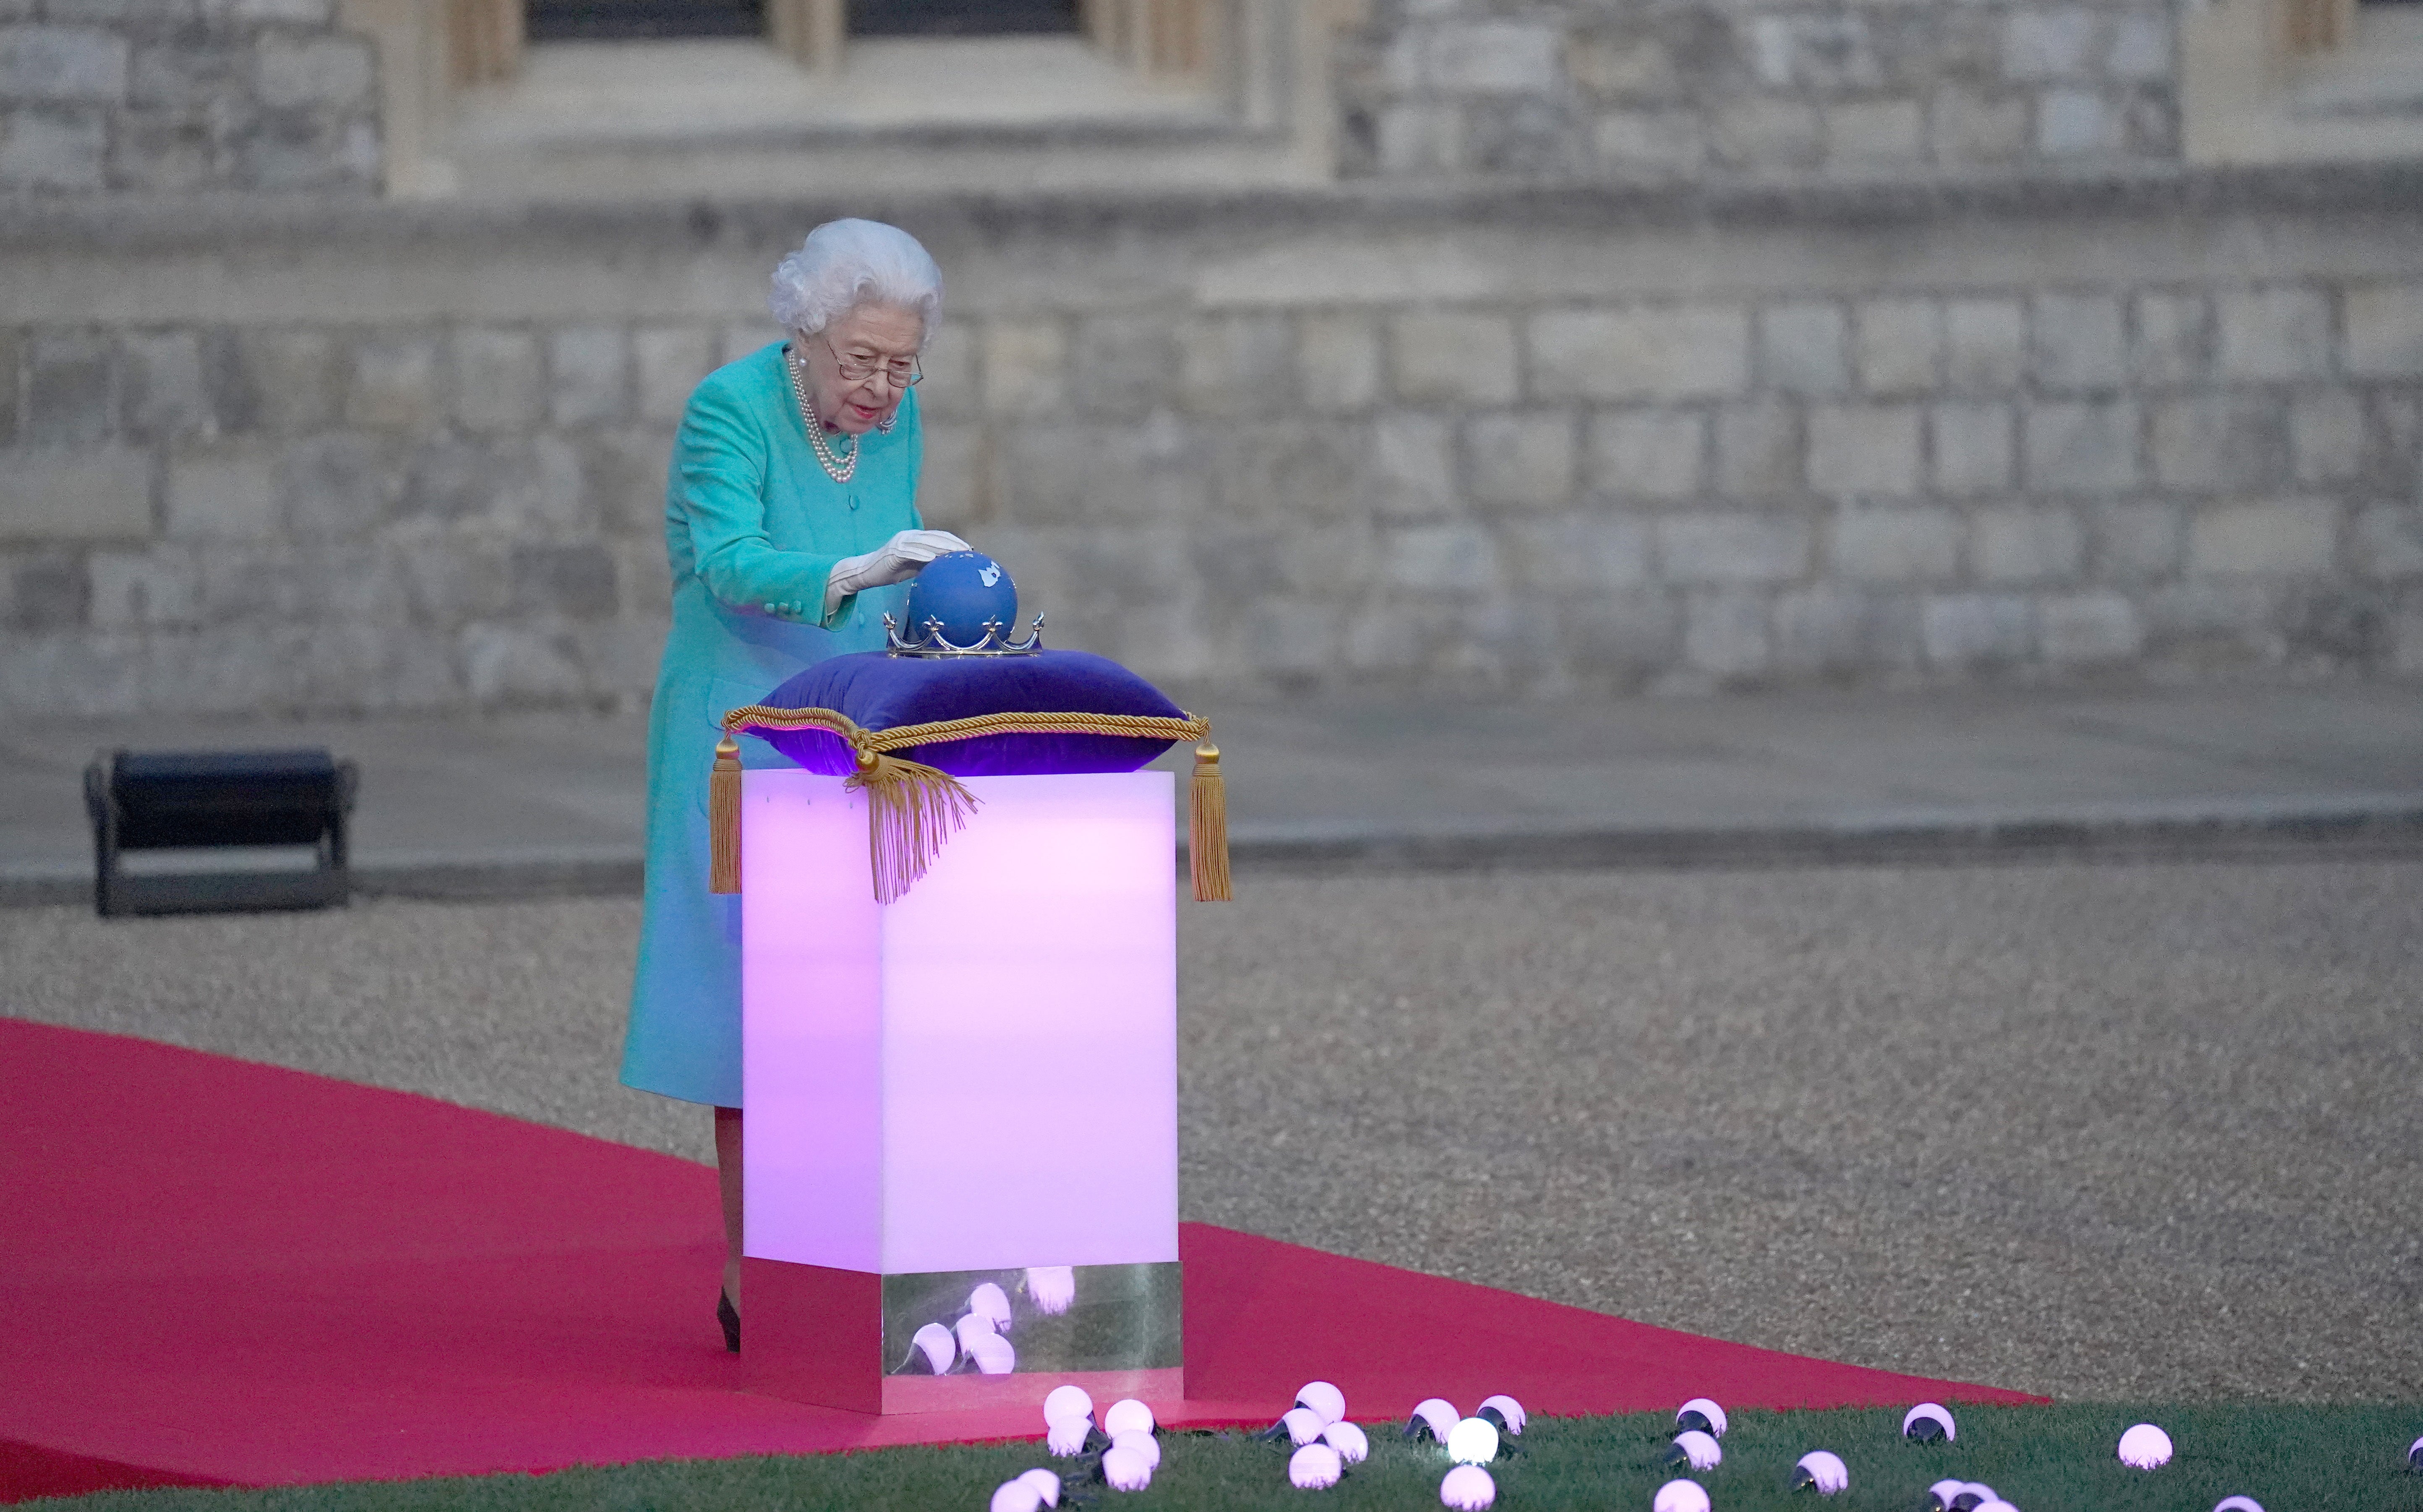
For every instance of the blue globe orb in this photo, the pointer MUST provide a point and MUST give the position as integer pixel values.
(963, 590)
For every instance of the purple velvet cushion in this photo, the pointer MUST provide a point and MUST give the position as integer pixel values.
(881, 692)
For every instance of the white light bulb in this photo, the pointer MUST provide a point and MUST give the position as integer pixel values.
(1825, 1470)
(1067, 1437)
(1942, 1494)
(1303, 1425)
(1472, 1442)
(1315, 1467)
(1126, 1470)
(939, 1345)
(972, 1328)
(1925, 1413)
(2145, 1447)
(1046, 1484)
(1507, 1408)
(993, 1303)
(1052, 1288)
(1016, 1496)
(1143, 1443)
(1349, 1440)
(1324, 1398)
(1467, 1488)
(1700, 1450)
(1707, 1410)
(1068, 1402)
(1437, 1414)
(1680, 1496)
(1127, 1415)
(2238, 1504)
(992, 1354)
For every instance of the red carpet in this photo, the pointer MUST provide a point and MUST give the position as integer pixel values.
(221, 1273)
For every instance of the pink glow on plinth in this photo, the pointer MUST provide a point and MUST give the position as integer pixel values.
(1163, 1389)
(982, 1076)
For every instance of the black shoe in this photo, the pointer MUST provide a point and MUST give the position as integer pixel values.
(729, 1317)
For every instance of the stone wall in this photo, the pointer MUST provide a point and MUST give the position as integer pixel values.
(156, 96)
(1765, 87)
(1533, 443)
(138, 96)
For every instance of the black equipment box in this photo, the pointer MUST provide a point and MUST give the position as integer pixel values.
(158, 800)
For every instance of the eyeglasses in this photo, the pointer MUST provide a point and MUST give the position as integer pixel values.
(903, 371)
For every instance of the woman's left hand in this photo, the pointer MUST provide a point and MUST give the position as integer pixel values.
(896, 560)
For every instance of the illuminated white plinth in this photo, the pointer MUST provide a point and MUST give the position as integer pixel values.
(974, 1083)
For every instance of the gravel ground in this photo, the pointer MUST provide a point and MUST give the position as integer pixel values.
(2093, 1131)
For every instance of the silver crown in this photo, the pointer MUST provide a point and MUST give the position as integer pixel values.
(996, 642)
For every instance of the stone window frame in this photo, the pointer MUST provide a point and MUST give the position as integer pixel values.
(1249, 54)
(2287, 81)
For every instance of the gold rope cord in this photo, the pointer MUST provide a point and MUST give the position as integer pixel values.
(1138, 726)
(912, 808)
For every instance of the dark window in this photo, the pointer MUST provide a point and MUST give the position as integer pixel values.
(960, 18)
(565, 21)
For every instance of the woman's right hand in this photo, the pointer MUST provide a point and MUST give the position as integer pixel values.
(896, 560)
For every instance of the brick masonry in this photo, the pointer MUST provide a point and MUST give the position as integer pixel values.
(1684, 90)
(180, 96)
(1606, 468)
(146, 96)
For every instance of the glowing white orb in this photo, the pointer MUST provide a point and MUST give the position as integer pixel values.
(1016, 1496)
(1709, 1413)
(2414, 1456)
(1472, 1442)
(1068, 1402)
(1939, 1495)
(1973, 1495)
(972, 1328)
(1680, 1496)
(1315, 1467)
(1128, 1415)
(1826, 1471)
(2145, 1447)
(1467, 1488)
(1926, 1420)
(1349, 1440)
(1437, 1414)
(1699, 1449)
(992, 1354)
(1052, 1288)
(2238, 1504)
(1125, 1469)
(993, 1303)
(1506, 1408)
(1046, 1484)
(938, 1345)
(1303, 1425)
(1142, 1442)
(1324, 1398)
(1068, 1435)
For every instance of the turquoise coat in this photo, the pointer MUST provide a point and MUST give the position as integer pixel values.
(754, 526)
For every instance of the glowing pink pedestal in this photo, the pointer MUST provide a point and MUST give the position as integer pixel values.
(976, 1080)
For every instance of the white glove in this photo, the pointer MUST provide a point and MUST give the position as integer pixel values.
(896, 560)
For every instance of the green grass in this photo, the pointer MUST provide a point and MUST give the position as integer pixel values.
(2044, 1459)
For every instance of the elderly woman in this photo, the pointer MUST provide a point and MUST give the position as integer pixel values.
(790, 515)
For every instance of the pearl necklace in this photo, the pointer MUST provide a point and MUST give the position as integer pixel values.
(839, 465)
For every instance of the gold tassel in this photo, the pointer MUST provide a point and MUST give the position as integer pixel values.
(911, 809)
(1206, 829)
(723, 818)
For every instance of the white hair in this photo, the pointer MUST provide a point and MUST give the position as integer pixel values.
(845, 264)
